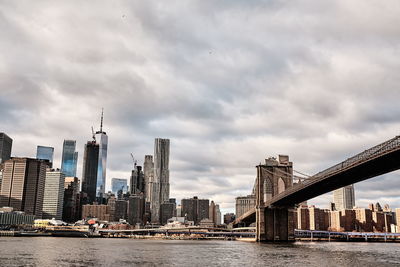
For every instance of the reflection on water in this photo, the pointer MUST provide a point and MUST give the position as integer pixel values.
(47, 251)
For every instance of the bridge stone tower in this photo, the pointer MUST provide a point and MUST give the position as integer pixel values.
(274, 223)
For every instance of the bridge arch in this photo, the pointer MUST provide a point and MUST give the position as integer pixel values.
(281, 185)
(268, 190)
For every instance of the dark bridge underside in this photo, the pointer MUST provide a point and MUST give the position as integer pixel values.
(374, 167)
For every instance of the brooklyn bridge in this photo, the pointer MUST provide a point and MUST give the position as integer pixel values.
(277, 194)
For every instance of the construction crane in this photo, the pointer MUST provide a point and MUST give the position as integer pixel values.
(134, 161)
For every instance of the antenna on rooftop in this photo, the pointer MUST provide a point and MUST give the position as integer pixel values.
(93, 135)
(101, 122)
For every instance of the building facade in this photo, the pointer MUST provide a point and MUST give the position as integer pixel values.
(101, 212)
(195, 209)
(89, 172)
(159, 184)
(344, 198)
(136, 209)
(244, 204)
(45, 153)
(118, 184)
(71, 206)
(53, 199)
(148, 171)
(23, 185)
(137, 184)
(5, 147)
(69, 159)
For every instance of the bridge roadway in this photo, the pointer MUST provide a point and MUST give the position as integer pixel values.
(375, 161)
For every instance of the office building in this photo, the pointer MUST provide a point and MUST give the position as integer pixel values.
(118, 184)
(53, 199)
(344, 198)
(244, 204)
(121, 208)
(45, 153)
(167, 212)
(23, 185)
(159, 184)
(214, 213)
(69, 159)
(102, 141)
(219, 215)
(5, 147)
(71, 205)
(195, 209)
(136, 209)
(89, 172)
(148, 171)
(137, 184)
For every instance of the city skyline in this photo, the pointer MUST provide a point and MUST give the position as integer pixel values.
(226, 103)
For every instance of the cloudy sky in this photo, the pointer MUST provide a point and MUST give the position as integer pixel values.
(229, 82)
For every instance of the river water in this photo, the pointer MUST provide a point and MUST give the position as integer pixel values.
(53, 251)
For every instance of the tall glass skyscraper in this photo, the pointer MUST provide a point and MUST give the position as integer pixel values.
(94, 166)
(119, 184)
(89, 172)
(69, 158)
(102, 140)
(46, 153)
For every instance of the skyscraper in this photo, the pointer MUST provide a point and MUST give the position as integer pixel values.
(137, 185)
(195, 209)
(53, 195)
(148, 171)
(344, 198)
(69, 158)
(119, 184)
(5, 147)
(89, 172)
(45, 153)
(23, 185)
(94, 166)
(159, 183)
(71, 200)
(102, 141)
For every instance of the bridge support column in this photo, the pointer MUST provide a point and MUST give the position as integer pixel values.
(275, 224)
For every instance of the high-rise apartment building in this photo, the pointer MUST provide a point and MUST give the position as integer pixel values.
(195, 209)
(5, 147)
(69, 158)
(118, 184)
(344, 198)
(23, 185)
(89, 172)
(159, 185)
(45, 153)
(53, 194)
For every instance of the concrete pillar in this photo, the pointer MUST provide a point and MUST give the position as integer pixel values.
(275, 224)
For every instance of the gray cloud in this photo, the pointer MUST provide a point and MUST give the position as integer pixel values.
(229, 82)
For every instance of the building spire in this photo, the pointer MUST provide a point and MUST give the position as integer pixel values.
(101, 123)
